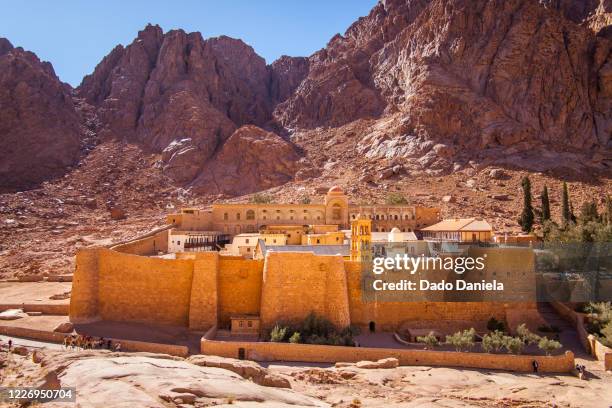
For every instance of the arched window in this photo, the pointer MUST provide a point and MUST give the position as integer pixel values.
(238, 216)
(225, 216)
(396, 217)
(250, 215)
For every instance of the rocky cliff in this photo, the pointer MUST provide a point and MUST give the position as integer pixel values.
(431, 86)
(479, 78)
(40, 132)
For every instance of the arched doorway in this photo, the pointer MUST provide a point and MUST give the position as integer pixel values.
(372, 326)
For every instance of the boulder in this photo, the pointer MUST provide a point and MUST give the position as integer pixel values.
(244, 368)
(117, 213)
(274, 380)
(390, 362)
(12, 314)
(386, 173)
(448, 199)
(20, 350)
(497, 174)
(501, 197)
(91, 203)
(64, 327)
(251, 160)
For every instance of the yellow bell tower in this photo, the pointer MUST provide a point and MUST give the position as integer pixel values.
(361, 239)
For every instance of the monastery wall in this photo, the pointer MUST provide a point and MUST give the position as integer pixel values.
(146, 245)
(110, 285)
(295, 284)
(268, 351)
(239, 287)
(143, 289)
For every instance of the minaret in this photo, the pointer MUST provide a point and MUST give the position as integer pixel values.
(361, 239)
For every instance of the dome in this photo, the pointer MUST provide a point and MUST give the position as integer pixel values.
(395, 235)
(335, 190)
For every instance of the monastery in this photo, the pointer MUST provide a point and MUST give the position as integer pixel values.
(188, 273)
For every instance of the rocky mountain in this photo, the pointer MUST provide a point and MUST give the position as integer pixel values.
(428, 87)
(452, 81)
(40, 130)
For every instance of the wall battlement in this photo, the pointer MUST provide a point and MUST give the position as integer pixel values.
(200, 290)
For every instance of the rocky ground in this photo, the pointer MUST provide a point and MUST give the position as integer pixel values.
(41, 229)
(110, 379)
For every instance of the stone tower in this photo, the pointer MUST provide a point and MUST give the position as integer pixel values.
(361, 239)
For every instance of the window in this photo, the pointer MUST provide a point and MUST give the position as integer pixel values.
(248, 249)
(250, 215)
(274, 241)
(238, 216)
(225, 216)
(250, 323)
(246, 241)
(179, 243)
(353, 216)
(240, 323)
(318, 241)
(336, 212)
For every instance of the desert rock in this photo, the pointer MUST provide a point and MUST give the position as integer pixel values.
(40, 132)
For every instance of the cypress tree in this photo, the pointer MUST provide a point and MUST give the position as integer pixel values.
(526, 220)
(588, 212)
(545, 205)
(606, 217)
(566, 212)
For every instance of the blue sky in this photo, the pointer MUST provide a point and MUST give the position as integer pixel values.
(75, 35)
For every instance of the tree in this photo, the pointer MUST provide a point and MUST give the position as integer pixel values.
(430, 340)
(462, 340)
(545, 206)
(548, 345)
(396, 199)
(526, 335)
(514, 345)
(606, 216)
(566, 211)
(588, 212)
(261, 199)
(295, 338)
(305, 200)
(278, 333)
(526, 220)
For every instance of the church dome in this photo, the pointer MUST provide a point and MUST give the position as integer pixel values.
(335, 190)
(395, 230)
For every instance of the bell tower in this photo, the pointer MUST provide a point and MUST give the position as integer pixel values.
(361, 239)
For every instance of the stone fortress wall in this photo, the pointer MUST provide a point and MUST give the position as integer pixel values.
(200, 290)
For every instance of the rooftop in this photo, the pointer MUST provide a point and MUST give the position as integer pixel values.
(460, 224)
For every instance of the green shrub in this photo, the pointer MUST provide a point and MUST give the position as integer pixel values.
(430, 340)
(548, 345)
(606, 335)
(462, 340)
(514, 345)
(278, 333)
(526, 335)
(396, 199)
(304, 200)
(492, 341)
(295, 338)
(259, 198)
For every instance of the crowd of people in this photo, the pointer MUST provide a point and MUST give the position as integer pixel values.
(79, 341)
